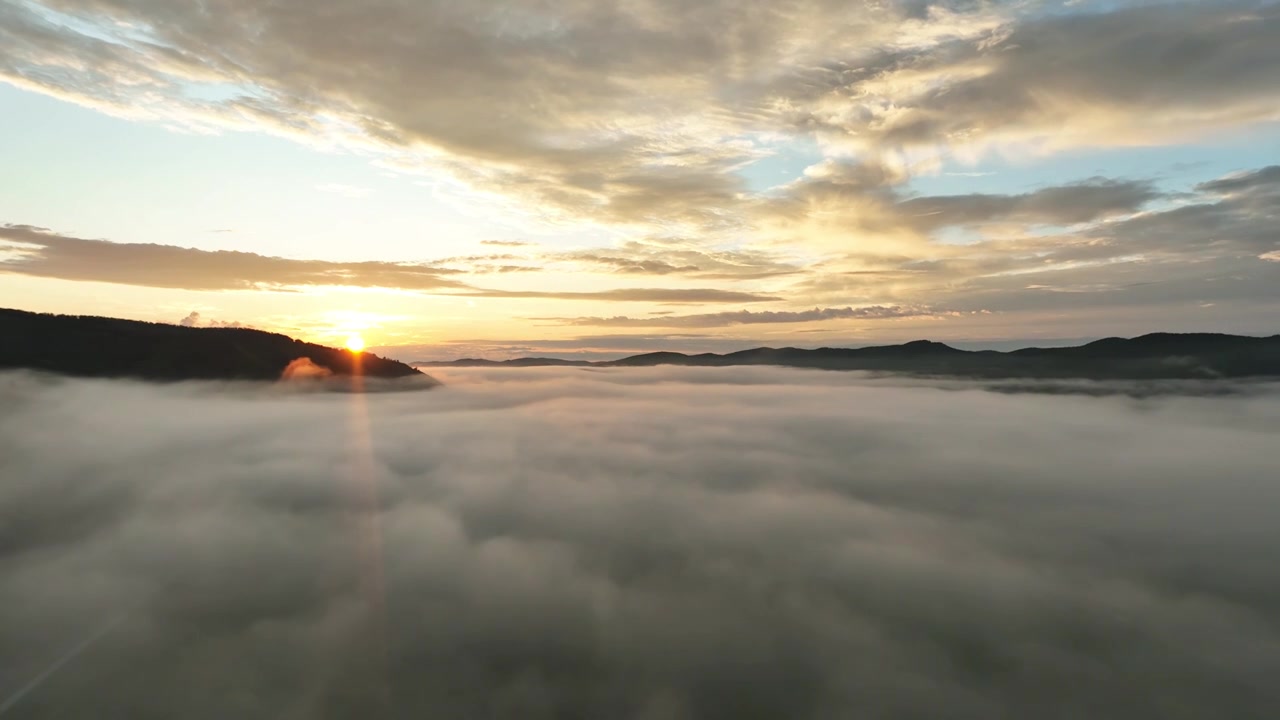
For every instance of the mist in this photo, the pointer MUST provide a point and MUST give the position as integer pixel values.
(645, 543)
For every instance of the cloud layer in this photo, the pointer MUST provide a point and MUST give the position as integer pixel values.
(490, 89)
(747, 317)
(44, 253)
(665, 543)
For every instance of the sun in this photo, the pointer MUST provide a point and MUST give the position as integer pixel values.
(355, 343)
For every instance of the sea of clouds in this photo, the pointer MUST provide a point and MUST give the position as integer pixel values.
(637, 543)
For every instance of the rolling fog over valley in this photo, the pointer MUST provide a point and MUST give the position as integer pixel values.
(656, 543)
(639, 360)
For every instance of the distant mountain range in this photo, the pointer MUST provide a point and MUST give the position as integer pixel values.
(107, 347)
(1155, 356)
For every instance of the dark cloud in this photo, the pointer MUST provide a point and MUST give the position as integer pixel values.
(1267, 179)
(1208, 247)
(1158, 70)
(870, 196)
(1062, 205)
(747, 317)
(665, 543)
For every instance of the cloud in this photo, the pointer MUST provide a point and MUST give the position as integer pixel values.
(506, 243)
(49, 254)
(635, 115)
(503, 269)
(1203, 248)
(1153, 73)
(657, 543)
(1062, 205)
(639, 267)
(747, 317)
(581, 347)
(658, 295)
(640, 116)
(1264, 179)
(194, 319)
(493, 263)
(304, 369)
(683, 257)
(43, 253)
(859, 198)
(636, 121)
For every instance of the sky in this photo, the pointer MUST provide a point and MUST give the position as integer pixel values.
(588, 179)
(640, 543)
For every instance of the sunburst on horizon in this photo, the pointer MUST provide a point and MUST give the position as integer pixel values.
(355, 343)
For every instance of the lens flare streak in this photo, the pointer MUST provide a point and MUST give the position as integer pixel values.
(367, 528)
(58, 664)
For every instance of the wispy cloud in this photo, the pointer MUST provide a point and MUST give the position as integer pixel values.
(748, 317)
(43, 253)
(71, 258)
(657, 295)
(507, 243)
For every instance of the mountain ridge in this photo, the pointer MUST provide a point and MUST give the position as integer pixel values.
(1153, 355)
(94, 346)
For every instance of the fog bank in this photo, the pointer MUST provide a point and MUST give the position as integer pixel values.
(637, 543)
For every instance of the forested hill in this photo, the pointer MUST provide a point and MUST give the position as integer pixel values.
(1155, 356)
(106, 347)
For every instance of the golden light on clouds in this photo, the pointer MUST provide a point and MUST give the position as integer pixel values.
(580, 168)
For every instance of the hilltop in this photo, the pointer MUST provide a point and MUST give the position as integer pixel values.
(107, 347)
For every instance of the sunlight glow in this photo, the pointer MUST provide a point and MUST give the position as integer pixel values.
(355, 343)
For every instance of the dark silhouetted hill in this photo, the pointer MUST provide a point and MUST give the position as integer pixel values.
(106, 347)
(1156, 356)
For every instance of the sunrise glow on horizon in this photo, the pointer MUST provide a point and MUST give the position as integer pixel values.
(584, 181)
(639, 359)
